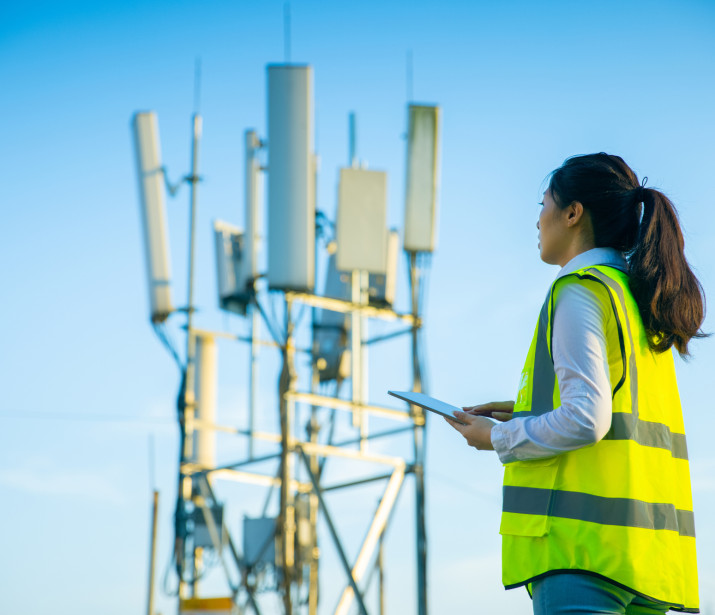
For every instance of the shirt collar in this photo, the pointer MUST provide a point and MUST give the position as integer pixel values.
(595, 256)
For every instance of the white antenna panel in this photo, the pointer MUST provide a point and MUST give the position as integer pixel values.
(362, 221)
(153, 212)
(382, 286)
(205, 395)
(252, 211)
(231, 278)
(291, 178)
(421, 189)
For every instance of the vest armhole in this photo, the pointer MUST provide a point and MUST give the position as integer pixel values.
(619, 326)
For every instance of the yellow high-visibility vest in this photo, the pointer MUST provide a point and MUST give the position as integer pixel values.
(621, 508)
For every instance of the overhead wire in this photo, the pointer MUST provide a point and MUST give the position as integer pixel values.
(100, 418)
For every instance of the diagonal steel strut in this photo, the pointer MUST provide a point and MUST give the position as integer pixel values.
(333, 532)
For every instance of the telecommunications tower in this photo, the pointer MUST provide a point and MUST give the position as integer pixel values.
(277, 553)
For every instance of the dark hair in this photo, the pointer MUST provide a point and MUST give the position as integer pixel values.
(642, 223)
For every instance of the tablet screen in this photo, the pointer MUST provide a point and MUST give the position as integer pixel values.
(428, 403)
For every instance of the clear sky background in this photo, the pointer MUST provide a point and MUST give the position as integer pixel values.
(86, 385)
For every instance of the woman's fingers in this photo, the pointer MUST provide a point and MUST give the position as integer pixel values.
(490, 408)
(476, 432)
(454, 424)
(465, 417)
(502, 416)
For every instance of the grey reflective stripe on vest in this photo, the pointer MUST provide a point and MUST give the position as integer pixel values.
(648, 433)
(544, 378)
(623, 512)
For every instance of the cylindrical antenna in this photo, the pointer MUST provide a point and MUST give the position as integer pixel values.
(352, 159)
(286, 31)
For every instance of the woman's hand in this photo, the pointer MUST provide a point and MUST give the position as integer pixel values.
(477, 432)
(499, 410)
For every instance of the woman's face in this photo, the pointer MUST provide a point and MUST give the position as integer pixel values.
(553, 236)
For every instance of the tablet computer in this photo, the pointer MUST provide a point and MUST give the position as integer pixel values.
(429, 403)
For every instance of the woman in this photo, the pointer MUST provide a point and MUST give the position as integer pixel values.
(597, 514)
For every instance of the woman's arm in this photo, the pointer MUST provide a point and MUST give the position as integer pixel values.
(581, 366)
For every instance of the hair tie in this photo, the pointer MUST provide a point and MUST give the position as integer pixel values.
(640, 190)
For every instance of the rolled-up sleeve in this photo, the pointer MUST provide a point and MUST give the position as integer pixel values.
(580, 355)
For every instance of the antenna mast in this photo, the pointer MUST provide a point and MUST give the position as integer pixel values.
(280, 548)
(286, 32)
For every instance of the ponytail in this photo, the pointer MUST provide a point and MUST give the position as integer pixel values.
(669, 296)
(670, 299)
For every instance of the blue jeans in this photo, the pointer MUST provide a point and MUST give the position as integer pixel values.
(568, 593)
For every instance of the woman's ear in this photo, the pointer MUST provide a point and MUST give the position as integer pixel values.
(574, 213)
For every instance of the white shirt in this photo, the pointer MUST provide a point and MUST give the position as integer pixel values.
(581, 364)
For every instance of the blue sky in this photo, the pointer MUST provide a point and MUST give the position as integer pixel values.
(522, 86)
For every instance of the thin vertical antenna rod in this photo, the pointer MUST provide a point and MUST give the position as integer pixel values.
(197, 86)
(152, 539)
(189, 402)
(152, 477)
(152, 553)
(352, 159)
(410, 94)
(286, 31)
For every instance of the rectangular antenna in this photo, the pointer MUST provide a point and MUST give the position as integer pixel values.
(362, 221)
(249, 266)
(291, 178)
(151, 196)
(381, 287)
(421, 184)
(230, 247)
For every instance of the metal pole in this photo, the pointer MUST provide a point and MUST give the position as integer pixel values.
(198, 559)
(194, 180)
(286, 518)
(314, 430)
(313, 504)
(359, 388)
(253, 383)
(252, 144)
(364, 359)
(188, 393)
(381, 575)
(152, 557)
(419, 429)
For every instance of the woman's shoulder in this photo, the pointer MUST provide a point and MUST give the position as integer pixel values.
(582, 295)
